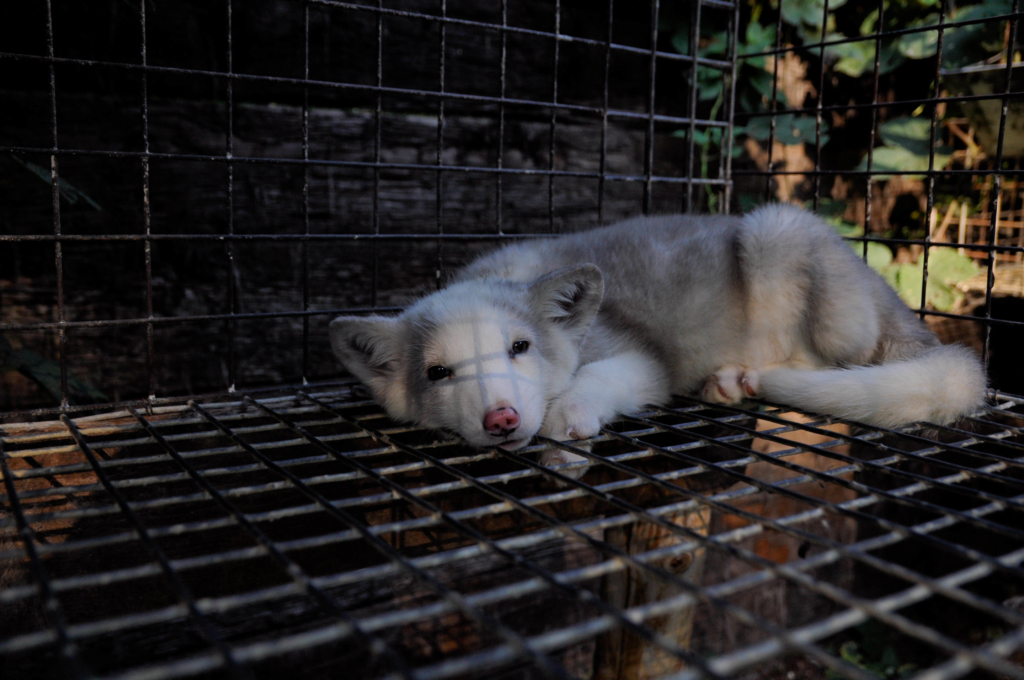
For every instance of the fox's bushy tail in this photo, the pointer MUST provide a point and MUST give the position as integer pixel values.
(939, 385)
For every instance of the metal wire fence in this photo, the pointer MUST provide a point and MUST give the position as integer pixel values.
(251, 535)
(437, 169)
(280, 523)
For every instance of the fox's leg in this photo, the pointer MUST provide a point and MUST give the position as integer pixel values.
(602, 390)
(730, 385)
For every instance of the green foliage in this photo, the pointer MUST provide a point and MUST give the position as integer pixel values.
(904, 141)
(709, 80)
(961, 45)
(754, 90)
(946, 267)
(853, 59)
(45, 373)
(887, 665)
(807, 12)
(755, 84)
(748, 202)
(905, 147)
(923, 44)
(757, 38)
(912, 134)
(708, 138)
(789, 129)
(975, 42)
(874, 652)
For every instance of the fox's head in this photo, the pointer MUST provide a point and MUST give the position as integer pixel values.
(480, 358)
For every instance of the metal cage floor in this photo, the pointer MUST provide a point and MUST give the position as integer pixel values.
(299, 531)
(304, 532)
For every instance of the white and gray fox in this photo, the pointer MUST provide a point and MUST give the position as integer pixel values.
(560, 336)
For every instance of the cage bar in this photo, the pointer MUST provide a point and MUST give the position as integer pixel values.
(259, 515)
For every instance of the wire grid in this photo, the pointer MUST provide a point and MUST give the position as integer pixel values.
(690, 179)
(306, 531)
(264, 534)
(1004, 92)
(439, 98)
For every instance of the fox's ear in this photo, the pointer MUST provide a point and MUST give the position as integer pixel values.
(366, 346)
(570, 297)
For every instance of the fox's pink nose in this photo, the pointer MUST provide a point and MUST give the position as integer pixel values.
(501, 421)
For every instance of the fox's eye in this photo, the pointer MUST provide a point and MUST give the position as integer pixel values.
(520, 346)
(438, 372)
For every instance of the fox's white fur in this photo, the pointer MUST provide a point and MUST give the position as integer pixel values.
(771, 304)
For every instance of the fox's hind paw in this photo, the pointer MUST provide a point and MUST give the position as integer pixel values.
(751, 383)
(731, 385)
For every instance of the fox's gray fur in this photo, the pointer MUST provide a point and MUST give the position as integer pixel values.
(771, 304)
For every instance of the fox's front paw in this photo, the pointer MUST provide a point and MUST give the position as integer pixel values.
(731, 385)
(571, 418)
(556, 457)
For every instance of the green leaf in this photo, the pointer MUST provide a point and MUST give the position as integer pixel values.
(708, 90)
(759, 38)
(762, 81)
(891, 58)
(908, 283)
(706, 136)
(712, 137)
(810, 12)
(942, 297)
(846, 229)
(853, 58)
(949, 266)
(748, 202)
(856, 59)
(867, 27)
(945, 269)
(789, 129)
(920, 45)
(889, 659)
(889, 274)
(907, 142)
(45, 373)
(848, 650)
(912, 134)
(879, 255)
(814, 34)
(681, 40)
(67, 191)
(895, 158)
(967, 44)
(717, 46)
(828, 207)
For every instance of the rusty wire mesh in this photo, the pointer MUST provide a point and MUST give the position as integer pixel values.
(255, 532)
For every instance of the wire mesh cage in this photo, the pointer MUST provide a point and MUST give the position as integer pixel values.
(192, 190)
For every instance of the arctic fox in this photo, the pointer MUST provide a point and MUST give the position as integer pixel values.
(560, 336)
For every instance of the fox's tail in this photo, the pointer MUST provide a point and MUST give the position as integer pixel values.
(938, 386)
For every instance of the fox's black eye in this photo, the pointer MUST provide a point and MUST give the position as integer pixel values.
(520, 346)
(438, 372)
